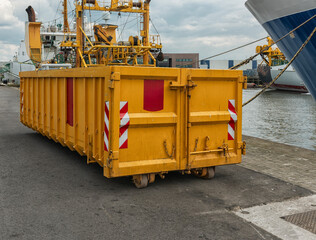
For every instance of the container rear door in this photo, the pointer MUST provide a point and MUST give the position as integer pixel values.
(144, 120)
(213, 117)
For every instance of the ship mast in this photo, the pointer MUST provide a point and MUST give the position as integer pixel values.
(65, 12)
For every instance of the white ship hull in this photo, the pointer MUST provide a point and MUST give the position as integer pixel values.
(289, 80)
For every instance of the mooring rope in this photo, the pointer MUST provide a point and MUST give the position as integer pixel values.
(257, 54)
(234, 49)
(277, 77)
(228, 51)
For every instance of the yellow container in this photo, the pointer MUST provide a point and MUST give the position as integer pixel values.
(137, 121)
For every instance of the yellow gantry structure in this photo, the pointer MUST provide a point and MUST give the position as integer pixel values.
(272, 54)
(108, 51)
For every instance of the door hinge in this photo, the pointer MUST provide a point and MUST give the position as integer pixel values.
(115, 76)
(243, 147)
(191, 84)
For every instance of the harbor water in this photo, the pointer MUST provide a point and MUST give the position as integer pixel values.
(280, 116)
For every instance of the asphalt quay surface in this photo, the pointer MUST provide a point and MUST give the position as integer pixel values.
(49, 192)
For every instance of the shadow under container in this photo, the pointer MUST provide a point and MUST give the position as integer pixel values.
(140, 122)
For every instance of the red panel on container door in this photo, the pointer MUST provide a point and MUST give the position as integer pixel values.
(70, 101)
(153, 95)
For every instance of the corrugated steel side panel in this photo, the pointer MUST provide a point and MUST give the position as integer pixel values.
(134, 120)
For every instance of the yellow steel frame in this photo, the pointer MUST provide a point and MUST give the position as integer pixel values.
(115, 7)
(127, 54)
(270, 53)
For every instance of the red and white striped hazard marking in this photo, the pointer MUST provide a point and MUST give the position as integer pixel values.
(233, 119)
(124, 124)
(106, 126)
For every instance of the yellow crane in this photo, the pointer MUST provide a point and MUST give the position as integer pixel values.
(271, 56)
(104, 51)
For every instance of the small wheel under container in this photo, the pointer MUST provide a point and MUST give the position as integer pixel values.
(205, 173)
(141, 181)
(210, 173)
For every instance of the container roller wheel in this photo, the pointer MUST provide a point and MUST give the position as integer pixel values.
(205, 173)
(141, 181)
(210, 173)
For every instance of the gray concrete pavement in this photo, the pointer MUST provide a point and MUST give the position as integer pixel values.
(48, 192)
(274, 215)
(291, 164)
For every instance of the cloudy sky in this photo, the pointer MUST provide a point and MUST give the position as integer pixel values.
(207, 27)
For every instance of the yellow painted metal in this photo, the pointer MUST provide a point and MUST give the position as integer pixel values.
(33, 41)
(272, 54)
(65, 13)
(107, 52)
(191, 132)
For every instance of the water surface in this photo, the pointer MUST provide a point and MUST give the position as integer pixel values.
(281, 116)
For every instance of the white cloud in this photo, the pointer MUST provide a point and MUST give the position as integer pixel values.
(12, 18)
(7, 18)
(206, 27)
(223, 41)
(7, 51)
